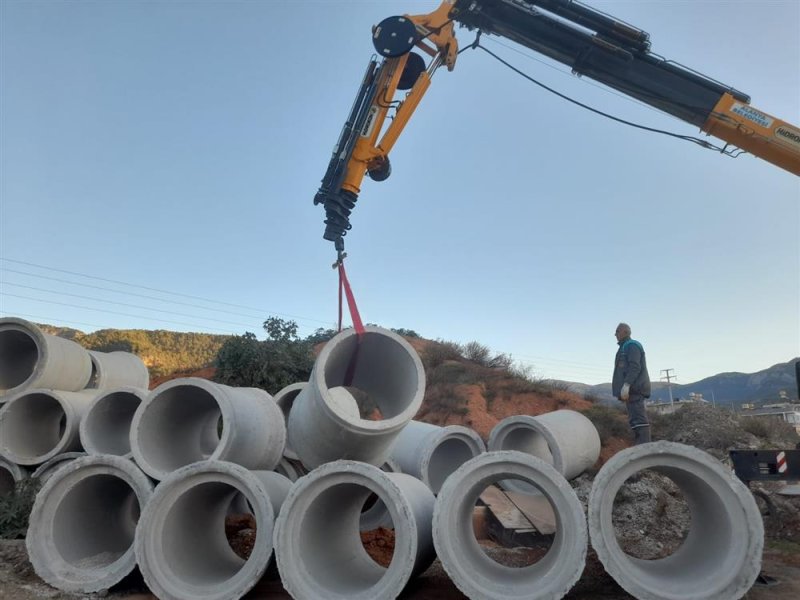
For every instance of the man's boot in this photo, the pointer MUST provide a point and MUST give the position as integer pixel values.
(641, 435)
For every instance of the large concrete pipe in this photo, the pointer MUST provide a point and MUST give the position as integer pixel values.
(565, 439)
(10, 474)
(475, 573)
(181, 546)
(116, 370)
(106, 426)
(374, 513)
(83, 522)
(318, 540)
(291, 469)
(190, 419)
(431, 453)
(30, 358)
(36, 425)
(47, 469)
(721, 555)
(285, 400)
(379, 364)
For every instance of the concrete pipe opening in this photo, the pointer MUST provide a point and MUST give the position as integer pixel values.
(106, 426)
(374, 513)
(37, 425)
(721, 555)
(472, 569)
(10, 474)
(318, 540)
(382, 373)
(30, 358)
(117, 370)
(83, 523)
(189, 420)
(180, 559)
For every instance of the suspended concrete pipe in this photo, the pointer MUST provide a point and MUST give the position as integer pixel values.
(380, 365)
(36, 425)
(82, 526)
(721, 555)
(565, 439)
(285, 400)
(181, 546)
(318, 541)
(116, 370)
(106, 426)
(47, 469)
(10, 474)
(431, 453)
(475, 573)
(30, 358)
(188, 420)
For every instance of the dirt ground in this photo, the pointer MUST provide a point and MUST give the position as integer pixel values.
(19, 582)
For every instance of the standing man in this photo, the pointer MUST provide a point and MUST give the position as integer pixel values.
(631, 382)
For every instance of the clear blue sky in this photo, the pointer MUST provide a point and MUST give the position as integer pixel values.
(178, 146)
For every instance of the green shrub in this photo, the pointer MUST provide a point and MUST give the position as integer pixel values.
(610, 422)
(15, 509)
(440, 351)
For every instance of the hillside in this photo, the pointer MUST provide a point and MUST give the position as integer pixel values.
(164, 352)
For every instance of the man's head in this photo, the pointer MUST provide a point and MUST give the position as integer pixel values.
(623, 332)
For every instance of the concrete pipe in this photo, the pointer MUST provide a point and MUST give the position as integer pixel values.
(116, 370)
(374, 514)
(291, 469)
(47, 469)
(565, 439)
(475, 573)
(721, 555)
(431, 453)
(106, 426)
(30, 358)
(318, 540)
(380, 365)
(188, 420)
(181, 545)
(83, 522)
(10, 474)
(285, 399)
(36, 425)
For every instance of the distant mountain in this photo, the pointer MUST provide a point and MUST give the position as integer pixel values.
(163, 352)
(724, 389)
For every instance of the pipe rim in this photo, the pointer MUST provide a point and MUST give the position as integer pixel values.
(735, 502)
(292, 564)
(364, 425)
(475, 573)
(160, 578)
(89, 416)
(32, 331)
(468, 437)
(45, 468)
(65, 439)
(285, 399)
(56, 570)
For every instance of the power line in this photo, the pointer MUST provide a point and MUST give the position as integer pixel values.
(161, 291)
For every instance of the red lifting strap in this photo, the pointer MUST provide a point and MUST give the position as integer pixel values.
(351, 302)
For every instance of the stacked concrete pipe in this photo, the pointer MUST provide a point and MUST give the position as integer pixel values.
(285, 400)
(38, 424)
(179, 424)
(117, 370)
(10, 475)
(374, 513)
(47, 469)
(721, 555)
(475, 573)
(83, 523)
(180, 541)
(378, 363)
(106, 426)
(431, 453)
(318, 542)
(565, 439)
(30, 358)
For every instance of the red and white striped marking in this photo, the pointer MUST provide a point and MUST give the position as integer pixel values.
(781, 462)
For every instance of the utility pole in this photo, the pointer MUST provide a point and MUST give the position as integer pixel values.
(669, 377)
